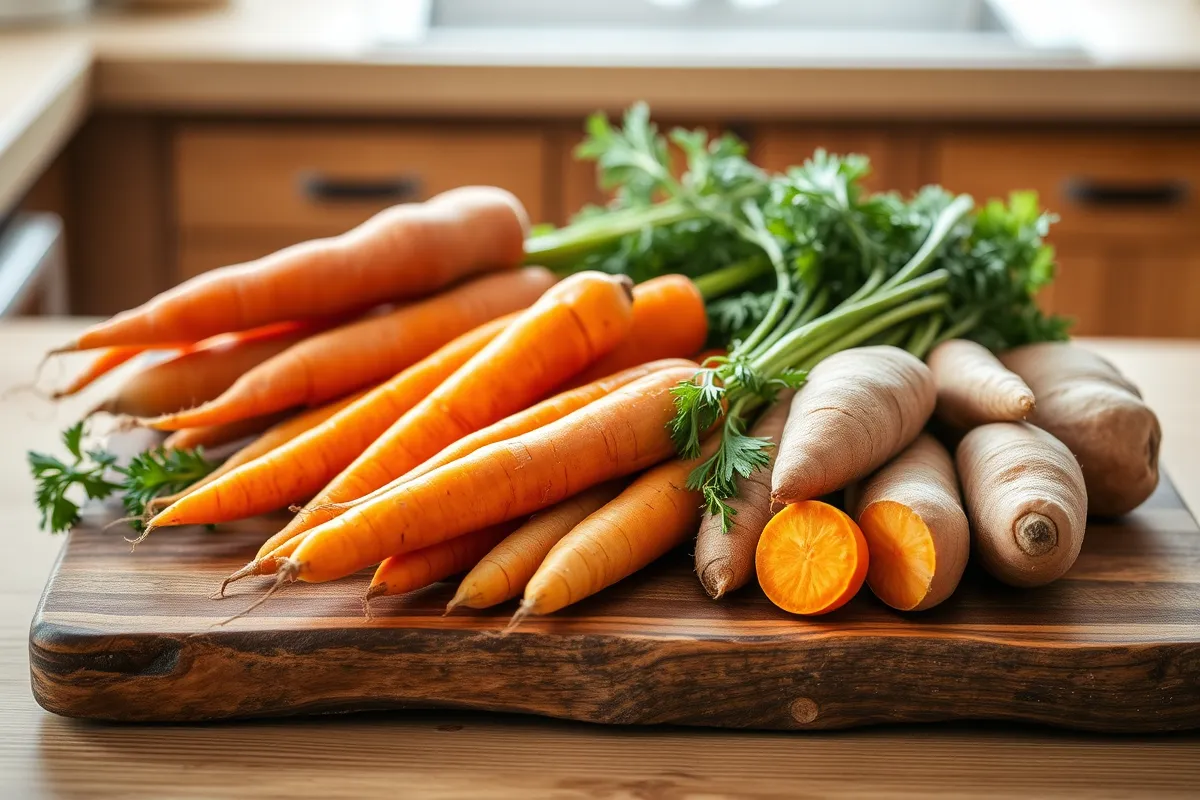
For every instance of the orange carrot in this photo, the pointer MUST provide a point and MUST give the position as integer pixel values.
(103, 364)
(654, 515)
(404, 251)
(811, 558)
(570, 327)
(669, 321)
(416, 570)
(299, 468)
(346, 358)
(616, 435)
(217, 435)
(200, 374)
(276, 436)
(502, 573)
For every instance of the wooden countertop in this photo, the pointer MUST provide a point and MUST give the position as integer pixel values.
(314, 57)
(422, 754)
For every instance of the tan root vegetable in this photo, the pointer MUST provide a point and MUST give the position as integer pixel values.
(858, 409)
(1091, 408)
(974, 388)
(917, 534)
(1025, 499)
(725, 559)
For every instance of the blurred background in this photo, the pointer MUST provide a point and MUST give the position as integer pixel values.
(142, 143)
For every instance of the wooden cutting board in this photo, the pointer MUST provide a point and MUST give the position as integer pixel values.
(1114, 646)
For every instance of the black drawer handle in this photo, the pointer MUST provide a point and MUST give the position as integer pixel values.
(327, 189)
(1087, 192)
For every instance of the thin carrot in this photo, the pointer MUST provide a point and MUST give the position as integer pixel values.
(299, 468)
(217, 435)
(616, 435)
(811, 558)
(103, 364)
(503, 573)
(570, 327)
(657, 513)
(416, 570)
(352, 356)
(405, 251)
(974, 388)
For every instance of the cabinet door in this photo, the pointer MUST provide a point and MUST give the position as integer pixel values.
(896, 156)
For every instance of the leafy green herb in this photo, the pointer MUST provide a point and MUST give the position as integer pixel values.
(159, 472)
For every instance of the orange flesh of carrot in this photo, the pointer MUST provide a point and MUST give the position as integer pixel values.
(302, 466)
(416, 570)
(372, 349)
(404, 251)
(811, 558)
(616, 435)
(570, 327)
(903, 557)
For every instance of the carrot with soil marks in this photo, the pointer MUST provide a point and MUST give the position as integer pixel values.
(402, 252)
(725, 558)
(349, 357)
(1025, 499)
(912, 517)
(811, 558)
(857, 409)
(974, 388)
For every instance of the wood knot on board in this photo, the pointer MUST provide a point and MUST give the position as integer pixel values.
(804, 710)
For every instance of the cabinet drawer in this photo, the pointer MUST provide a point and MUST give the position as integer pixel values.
(896, 162)
(1135, 185)
(326, 179)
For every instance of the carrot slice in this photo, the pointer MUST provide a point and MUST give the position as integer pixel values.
(903, 557)
(811, 558)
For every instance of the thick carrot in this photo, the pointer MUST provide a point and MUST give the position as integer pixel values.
(811, 558)
(974, 388)
(570, 327)
(616, 435)
(669, 321)
(103, 364)
(1026, 501)
(857, 409)
(725, 558)
(654, 515)
(352, 356)
(216, 435)
(916, 530)
(294, 471)
(503, 573)
(402, 252)
(276, 436)
(198, 375)
(416, 570)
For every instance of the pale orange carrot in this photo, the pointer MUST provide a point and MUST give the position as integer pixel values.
(103, 364)
(811, 558)
(616, 435)
(416, 570)
(294, 471)
(346, 358)
(502, 573)
(402, 252)
(217, 435)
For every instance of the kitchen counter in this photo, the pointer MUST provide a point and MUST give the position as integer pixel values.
(452, 755)
(312, 57)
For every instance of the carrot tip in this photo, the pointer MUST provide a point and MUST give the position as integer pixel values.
(253, 568)
(517, 618)
(286, 572)
(70, 347)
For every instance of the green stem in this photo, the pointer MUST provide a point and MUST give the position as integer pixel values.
(922, 338)
(942, 226)
(895, 337)
(877, 325)
(869, 285)
(962, 326)
(799, 305)
(560, 249)
(735, 276)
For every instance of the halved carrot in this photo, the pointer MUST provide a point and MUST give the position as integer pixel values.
(405, 251)
(416, 570)
(811, 558)
(349, 357)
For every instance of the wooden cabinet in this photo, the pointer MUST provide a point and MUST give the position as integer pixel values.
(897, 156)
(243, 189)
(1128, 240)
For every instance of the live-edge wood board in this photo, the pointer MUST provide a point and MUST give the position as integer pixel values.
(1113, 646)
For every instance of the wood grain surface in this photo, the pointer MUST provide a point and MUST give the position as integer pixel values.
(450, 754)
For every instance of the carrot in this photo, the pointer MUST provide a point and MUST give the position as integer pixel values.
(570, 327)
(416, 570)
(530, 419)
(503, 573)
(811, 558)
(669, 321)
(299, 468)
(216, 435)
(401, 252)
(200, 374)
(725, 558)
(974, 388)
(858, 409)
(277, 435)
(1089, 406)
(103, 364)
(1026, 501)
(912, 518)
(657, 513)
(349, 357)
(616, 435)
